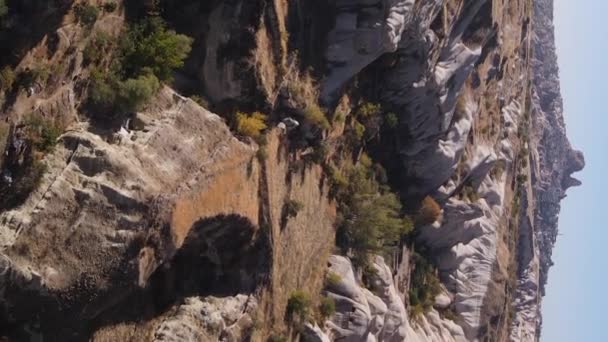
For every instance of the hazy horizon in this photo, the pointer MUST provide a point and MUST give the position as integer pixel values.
(574, 307)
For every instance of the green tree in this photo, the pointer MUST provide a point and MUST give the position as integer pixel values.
(370, 216)
(151, 45)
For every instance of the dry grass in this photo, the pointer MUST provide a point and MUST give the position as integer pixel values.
(309, 236)
(263, 62)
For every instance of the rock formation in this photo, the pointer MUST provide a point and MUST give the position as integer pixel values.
(168, 223)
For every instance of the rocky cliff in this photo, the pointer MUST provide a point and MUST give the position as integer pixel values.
(185, 219)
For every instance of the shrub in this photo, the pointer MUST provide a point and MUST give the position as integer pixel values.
(327, 307)
(86, 14)
(429, 211)
(292, 208)
(392, 120)
(37, 74)
(332, 279)
(110, 6)
(450, 313)
(200, 101)
(97, 48)
(470, 193)
(320, 153)
(41, 133)
(262, 154)
(369, 109)
(521, 179)
(338, 181)
(7, 78)
(111, 94)
(298, 305)
(250, 125)
(314, 114)
(424, 286)
(498, 169)
(277, 338)
(103, 92)
(359, 131)
(134, 93)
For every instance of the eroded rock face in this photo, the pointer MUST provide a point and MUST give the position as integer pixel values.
(209, 319)
(103, 211)
(363, 31)
(378, 314)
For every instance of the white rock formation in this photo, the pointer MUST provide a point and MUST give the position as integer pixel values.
(226, 319)
(466, 238)
(363, 31)
(379, 314)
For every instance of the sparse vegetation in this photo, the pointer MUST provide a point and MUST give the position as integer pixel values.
(201, 101)
(97, 48)
(522, 179)
(368, 109)
(303, 93)
(314, 114)
(7, 78)
(292, 208)
(110, 6)
(86, 14)
(392, 120)
(38, 74)
(425, 286)
(262, 154)
(359, 131)
(327, 307)
(39, 136)
(298, 306)
(277, 338)
(470, 193)
(498, 170)
(41, 133)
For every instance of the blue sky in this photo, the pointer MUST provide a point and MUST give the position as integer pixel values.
(576, 305)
